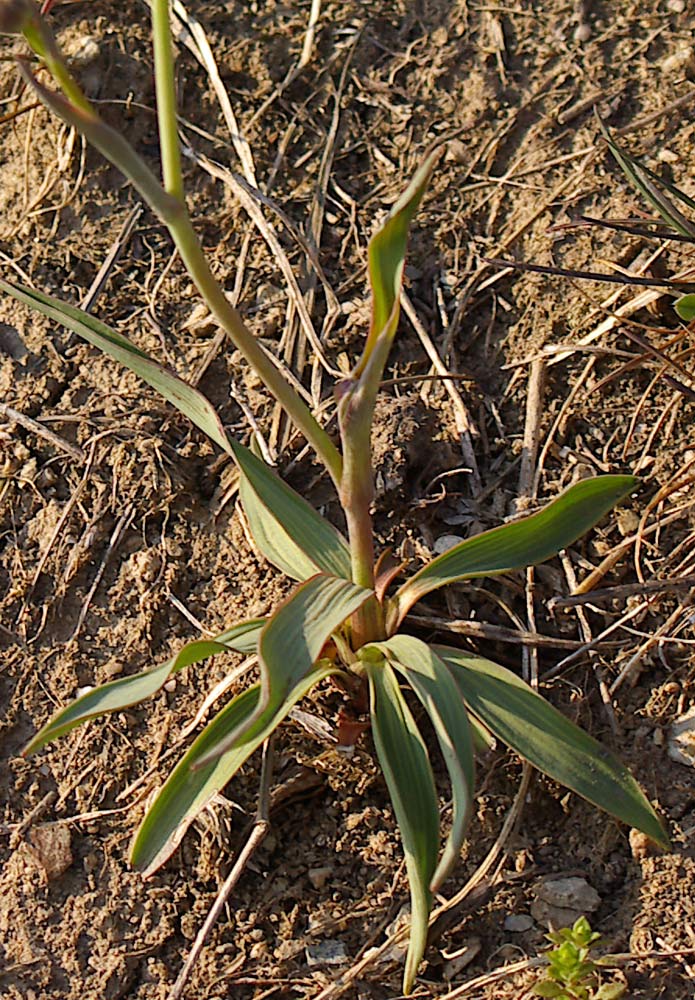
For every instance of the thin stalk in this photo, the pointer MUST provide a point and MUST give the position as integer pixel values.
(78, 113)
(40, 38)
(356, 497)
(165, 89)
(265, 367)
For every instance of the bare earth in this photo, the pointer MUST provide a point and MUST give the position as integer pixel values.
(123, 539)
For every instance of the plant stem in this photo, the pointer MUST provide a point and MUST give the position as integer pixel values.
(165, 87)
(356, 497)
(171, 209)
(265, 367)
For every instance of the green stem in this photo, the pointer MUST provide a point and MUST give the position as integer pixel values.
(165, 87)
(356, 497)
(171, 209)
(263, 364)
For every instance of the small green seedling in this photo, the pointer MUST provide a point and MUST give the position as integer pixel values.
(573, 974)
(672, 222)
(346, 617)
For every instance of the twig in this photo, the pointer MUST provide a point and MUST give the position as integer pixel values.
(36, 428)
(497, 633)
(622, 590)
(258, 834)
(122, 524)
(464, 423)
(111, 259)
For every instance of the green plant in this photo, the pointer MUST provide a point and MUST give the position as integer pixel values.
(573, 974)
(340, 620)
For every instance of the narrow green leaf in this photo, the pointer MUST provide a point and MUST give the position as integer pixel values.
(525, 542)
(543, 736)
(386, 255)
(190, 787)
(404, 761)
(185, 398)
(125, 691)
(288, 531)
(306, 543)
(292, 640)
(685, 307)
(432, 682)
(649, 183)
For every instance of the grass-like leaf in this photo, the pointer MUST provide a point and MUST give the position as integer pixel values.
(125, 691)
(525, 542)
(292, 640)
(432, 682)
(543, 736)
(189, 787)
(649, 184)
(386, 253)
(307, 541)
(685, 307)
(290, 533)
(404, 761)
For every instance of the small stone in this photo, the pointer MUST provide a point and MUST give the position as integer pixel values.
(681, 740)
(319, 876)
(50, 846)
(518, 923)
(582, 33)
(559, 902)
(676, 6)
(628, 522)
(679, 61)
(331, 952)
(446, 542)
(642, 846)
(667, 156)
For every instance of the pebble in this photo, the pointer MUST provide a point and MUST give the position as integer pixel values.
(460, 959)
(675, 6)
(330, 952)
(518, 923)
(446, 542)
(681, 739)
(559, 902)
(319, 876)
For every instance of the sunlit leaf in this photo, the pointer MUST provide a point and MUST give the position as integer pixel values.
(125, 691)
(685, 307)
(543, 736)
(282, 520)
(525, 542)
(292, 640)
(432, 682)
(189, 787)
(404, 761)
(288, 531)
(386, 253)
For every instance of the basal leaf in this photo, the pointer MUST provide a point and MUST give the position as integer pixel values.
(525, 542)
(404, 761)
(544, 737)
(291, 642)
(432, 682)
(189, 787)
(288, 531)
(125, 691)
